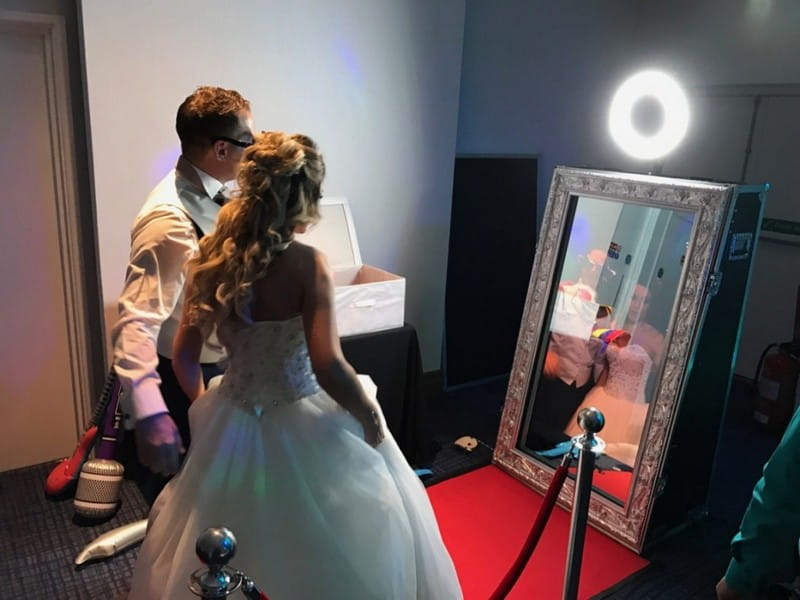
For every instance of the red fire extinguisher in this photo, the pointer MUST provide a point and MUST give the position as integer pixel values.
(776, 386)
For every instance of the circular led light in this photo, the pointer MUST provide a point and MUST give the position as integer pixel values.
(666, 91)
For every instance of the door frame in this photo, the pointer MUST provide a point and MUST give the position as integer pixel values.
(52, 29)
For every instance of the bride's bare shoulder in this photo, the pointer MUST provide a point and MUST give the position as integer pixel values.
(308, 256)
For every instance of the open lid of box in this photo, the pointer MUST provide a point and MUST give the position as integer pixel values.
(335, 234)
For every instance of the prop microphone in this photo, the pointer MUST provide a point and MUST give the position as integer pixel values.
(97, 496)
(99, 483)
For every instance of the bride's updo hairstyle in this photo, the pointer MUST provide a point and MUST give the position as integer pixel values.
(280, 182)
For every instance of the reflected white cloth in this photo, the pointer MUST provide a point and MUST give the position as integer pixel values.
(574, 314)
(316, 511)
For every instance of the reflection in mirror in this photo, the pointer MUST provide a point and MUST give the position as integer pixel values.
(617, 276)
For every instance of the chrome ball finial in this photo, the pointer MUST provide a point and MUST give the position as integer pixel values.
(591, 420)
(216, 546)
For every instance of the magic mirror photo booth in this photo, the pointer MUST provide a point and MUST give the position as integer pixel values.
(634, 306)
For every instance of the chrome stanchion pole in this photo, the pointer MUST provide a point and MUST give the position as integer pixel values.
(591, 421)
(215, 547)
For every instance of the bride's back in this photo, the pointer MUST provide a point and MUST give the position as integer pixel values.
(279, 294)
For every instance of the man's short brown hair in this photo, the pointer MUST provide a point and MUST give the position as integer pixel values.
(207, 113)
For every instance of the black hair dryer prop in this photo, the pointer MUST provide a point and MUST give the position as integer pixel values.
(215, 547)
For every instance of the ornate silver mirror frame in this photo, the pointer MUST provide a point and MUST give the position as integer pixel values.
(624, 521)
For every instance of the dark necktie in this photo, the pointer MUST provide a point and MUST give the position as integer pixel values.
(220, 197)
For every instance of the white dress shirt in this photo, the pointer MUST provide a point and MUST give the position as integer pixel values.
(163, 239)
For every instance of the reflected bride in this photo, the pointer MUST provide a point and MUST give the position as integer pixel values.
(620, 395)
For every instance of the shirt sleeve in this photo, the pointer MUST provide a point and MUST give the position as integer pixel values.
(161, 244)
(766, 542)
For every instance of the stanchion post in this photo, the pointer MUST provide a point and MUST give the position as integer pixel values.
(591, 421)
(215, 547)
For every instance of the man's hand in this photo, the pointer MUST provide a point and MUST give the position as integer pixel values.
(550, 368)
(726, 592)
(158, 444)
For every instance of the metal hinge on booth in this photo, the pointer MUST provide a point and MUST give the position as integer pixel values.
(661, 485)
(713, 283)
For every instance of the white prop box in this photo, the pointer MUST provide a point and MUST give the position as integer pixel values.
(367, 298)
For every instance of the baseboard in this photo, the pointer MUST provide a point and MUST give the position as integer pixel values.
(477, 382)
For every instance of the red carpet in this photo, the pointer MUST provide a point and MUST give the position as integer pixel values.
(485, 516)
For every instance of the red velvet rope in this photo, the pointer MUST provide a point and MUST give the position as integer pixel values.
(535, 533)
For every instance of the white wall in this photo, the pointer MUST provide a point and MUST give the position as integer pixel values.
(375, 82)
(538, 77)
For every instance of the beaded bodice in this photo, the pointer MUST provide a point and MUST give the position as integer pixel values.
(629, 368)
(268, 363)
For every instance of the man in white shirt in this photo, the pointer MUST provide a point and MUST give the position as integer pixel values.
(214, 126)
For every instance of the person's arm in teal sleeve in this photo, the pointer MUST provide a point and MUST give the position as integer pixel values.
(766, 543)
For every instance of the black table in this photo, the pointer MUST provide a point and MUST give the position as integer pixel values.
(392, 359)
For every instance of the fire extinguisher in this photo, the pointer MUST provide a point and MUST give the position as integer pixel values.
(776, 387)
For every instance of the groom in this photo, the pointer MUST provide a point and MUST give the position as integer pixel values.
(214, 126)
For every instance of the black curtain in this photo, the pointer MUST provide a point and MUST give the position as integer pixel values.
(492, 244)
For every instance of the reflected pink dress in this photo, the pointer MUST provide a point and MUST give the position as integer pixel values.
(621, 400)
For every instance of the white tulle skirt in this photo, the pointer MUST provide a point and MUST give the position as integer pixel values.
(317, 512)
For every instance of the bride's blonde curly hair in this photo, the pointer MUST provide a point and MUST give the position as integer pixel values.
(280, 182)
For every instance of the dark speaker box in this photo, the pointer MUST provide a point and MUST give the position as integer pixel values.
(493, 236)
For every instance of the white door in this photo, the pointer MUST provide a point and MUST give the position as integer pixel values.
(42, 372)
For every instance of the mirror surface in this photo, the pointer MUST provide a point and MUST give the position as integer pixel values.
(617, 277)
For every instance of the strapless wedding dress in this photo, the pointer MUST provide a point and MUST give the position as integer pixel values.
(317, 512)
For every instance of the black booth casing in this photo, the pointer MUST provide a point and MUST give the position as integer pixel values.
(685, 478)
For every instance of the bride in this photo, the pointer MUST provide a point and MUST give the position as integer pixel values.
(288, 451)
(620, 395)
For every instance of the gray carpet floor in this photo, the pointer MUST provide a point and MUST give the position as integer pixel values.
(40, 538)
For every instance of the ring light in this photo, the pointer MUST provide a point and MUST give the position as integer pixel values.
(666, 91)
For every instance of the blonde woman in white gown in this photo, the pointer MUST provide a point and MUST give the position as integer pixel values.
(620, 395)
(288, 451)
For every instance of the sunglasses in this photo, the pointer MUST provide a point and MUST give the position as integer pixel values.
(239, 143)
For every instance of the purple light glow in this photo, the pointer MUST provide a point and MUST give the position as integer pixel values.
(352, 66)
(162, 164)
(579, 236)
